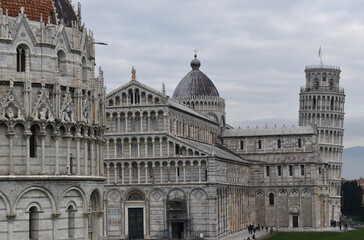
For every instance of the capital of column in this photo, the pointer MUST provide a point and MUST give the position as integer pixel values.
(55, 215)
(11, 217)
(28, 133)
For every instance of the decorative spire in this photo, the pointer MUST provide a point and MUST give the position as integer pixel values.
(133, 74)
(163, 89)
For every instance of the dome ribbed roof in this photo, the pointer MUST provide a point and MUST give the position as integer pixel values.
(195, 83)
(34, 8)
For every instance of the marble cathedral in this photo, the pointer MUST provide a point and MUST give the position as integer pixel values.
(79, 164)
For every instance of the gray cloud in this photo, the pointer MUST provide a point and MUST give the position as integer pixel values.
(254, 51)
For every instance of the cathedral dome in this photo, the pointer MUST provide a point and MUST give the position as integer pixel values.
(33, 9)
(195, 83)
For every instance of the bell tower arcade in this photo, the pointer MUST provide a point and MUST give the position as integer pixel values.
(322, 105)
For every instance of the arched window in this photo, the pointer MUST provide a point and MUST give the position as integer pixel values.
(241, 144)
(131, 97)
(299, 142)
(20, 58)
(314, 102)
(84, 70)
(331, 84)
(137, 96)
(61, 63)
(316, 84)
(271, 199)
(279, 144)
(324, 77)
(71, 221)
(33, 223)
(332, 104)
(177, 150)
(33, 142)
(259, 144)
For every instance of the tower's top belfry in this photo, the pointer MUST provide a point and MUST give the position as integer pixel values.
(321, 78)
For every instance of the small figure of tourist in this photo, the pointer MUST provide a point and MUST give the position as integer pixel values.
(271, 230)
(266, 228)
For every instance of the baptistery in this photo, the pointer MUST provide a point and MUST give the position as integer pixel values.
(51, 123)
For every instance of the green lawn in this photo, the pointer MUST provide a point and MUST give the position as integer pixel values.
(349, 235)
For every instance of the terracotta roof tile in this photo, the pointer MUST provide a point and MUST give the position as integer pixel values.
(32, 8)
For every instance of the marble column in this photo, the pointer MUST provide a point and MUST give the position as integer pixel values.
(115, 173)
(115, 148)
(122, 167)
(86, 156)
(92, 157)
(56, 139)
(27, 141)
(98, 158)
(68, 152)
(108, 173)
(78, 156)
(138, 165)
(43, 171)
(129, 173)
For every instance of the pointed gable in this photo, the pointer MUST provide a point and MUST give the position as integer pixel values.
(11, 105)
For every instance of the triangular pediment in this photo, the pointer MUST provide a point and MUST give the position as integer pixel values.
(61, 38)
(43, 108)
(22, 30)
(11, 107)
(67, 110)
(135, 84)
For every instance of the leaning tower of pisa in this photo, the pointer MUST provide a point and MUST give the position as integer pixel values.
(322, 105)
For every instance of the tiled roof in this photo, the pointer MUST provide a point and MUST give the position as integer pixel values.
(32, 8)
(217, 150)
(184, 108)
(285, 158)
(268, 131)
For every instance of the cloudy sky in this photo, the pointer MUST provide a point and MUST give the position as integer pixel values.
(254, 51)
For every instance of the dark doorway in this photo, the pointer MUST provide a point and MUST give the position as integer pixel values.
(136, 227)
(295, 221)
(177, 230)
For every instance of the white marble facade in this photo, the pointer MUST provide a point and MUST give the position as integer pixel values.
(79, 164)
